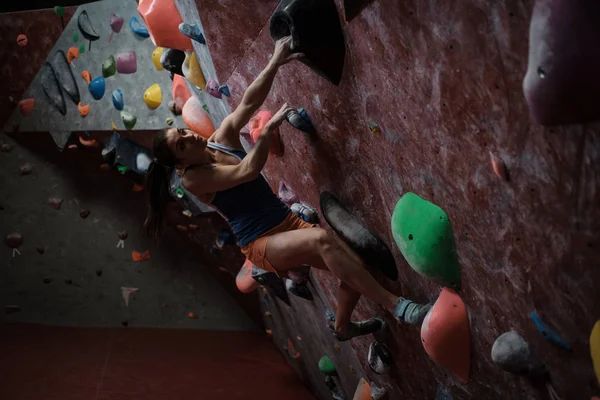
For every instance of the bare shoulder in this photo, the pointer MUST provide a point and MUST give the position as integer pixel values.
(226, 135)
(194, 181)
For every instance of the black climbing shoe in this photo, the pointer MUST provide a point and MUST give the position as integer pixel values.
(272, 282)
(380, 358)
(298, 289)
(409, 312)
(361, 328)
(336, 394)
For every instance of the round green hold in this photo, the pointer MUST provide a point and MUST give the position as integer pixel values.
(179, 192)
(82, 49)
(326, 366)
(76, 37)
(122, 169)
(424, 235)
(59, 10)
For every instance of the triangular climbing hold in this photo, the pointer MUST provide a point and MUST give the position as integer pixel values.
(84, 110)
(126, 292)
(86, 76)
(153, 96)
(595, 348)
(424, 235)
(128, 119)
(446, 335)
(72, 54)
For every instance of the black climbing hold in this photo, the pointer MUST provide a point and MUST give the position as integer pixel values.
(271, 281)
(12, 309)
(353, 7)
(298, 289)
(316, 31)
(52, 89)
(99, 272)
(443, 393)
(368, 245)
(47, 280)
(172, 60)
(68, 281)
(125, 323)
(174, 108)
(379, 358)
(85, 26)
(84, 213)
(65, 76)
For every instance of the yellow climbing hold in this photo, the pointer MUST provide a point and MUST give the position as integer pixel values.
(595, 348)
(113, 126)
(153, 96)
(156, 54)
(193, 72)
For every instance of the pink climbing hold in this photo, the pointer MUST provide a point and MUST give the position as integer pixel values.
(499, 167)
(26, 107)
(287, 195)
(116, 23)
(212, 87)
(126, 62)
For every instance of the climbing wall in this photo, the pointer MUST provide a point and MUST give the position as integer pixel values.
(428, 91)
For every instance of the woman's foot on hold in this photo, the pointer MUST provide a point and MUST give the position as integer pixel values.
(361, 328)
(409, 312)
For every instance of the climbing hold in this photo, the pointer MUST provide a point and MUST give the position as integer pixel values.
(75, 37)
(93, 143)
(442, 393)
(22, 40)
(72, 54)
(192, 31)
(193, 227)
(499, 167)
(187, 213)
(138, 27)
(193, 72)
(196, 118)
(445, 334)
(351, 369)
(180, 93)
(595, 348)
(363, 390)
(137, 187)
(83, 110)
(243, 279)
(557, 88)
(169, 121)
(113, 126)
(367, 244)
(268, 314)
(180, 193)
(117, 100)
(205, 107)
(122, 169)
(72, 147)
(127, 292)
(82, 49)
(84, 213)
(59, 10)
(316, 31)
(549, 333)
(25, 169)
(153, 96)
(182, 228)
(55, 202)
(86, 76)
(109, 67)
(65, 76)
(174, 108)
(172, 60)
(26, 107)
(85, 27)
(212, 87)
(327, 367)
(156, 54)
(268, 332)
(6, 148)
(137, 256)
(97, 87)
(336, 347)
(126, 62)
(224, 90)
(424, 235)
(192, 315)
(98, 272)
(256, 125)
(128, 119)
(513, 354)
(298, 289)
(379, 358)
(300, 120)
(163, 19)
(272, 281)
(334, 391)
(52, 89)
(13, 240)
(374, 128)
(116, 23)
(12, 309)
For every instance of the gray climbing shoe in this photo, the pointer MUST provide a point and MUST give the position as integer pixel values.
(361, 328)
(380, 358)
(409, 312)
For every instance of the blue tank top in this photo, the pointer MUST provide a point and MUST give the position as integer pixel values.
(251, 209)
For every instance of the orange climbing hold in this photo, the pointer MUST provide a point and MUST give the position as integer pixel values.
(181, 93)
(86, 75)
(137, 256)
(26, 107)
(363, 390)
(244, 281)
(499, 167)
(162, 20)
(256, 125)
(137, 187)
(88, 143)
(269, 332)
(72, 54)
(192, 315)
(445, 334)
(197, 119)
(83, 110)
(104, 167)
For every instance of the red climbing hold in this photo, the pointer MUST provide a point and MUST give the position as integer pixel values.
(162, 20)
(86, 76)
(182, 228)
(22, 40)
(55, 202)
(192, 315)
(137, 256)
(499, 167)
(26, 107)
(137, 187)
(83, 110)
(445, 334)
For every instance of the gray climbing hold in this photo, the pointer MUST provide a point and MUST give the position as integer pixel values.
(52, 89)
(64, 74)
(511, 352)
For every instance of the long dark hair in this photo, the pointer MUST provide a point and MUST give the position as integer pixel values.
(157, 183)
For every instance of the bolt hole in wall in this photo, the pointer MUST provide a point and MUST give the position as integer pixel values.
(541, 72)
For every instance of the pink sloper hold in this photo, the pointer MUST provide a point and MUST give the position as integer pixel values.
(126, 62)
(212, 87)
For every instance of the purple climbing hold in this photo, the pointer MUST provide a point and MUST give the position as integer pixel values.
(224, 89)
(116, 23)
(287, 195)
(212, 87)
(126, 62)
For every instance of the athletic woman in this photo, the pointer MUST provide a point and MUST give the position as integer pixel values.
(222, 175)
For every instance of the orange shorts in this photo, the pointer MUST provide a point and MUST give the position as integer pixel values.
(256, 250)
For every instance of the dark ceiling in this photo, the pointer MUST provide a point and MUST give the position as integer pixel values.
(22, 5)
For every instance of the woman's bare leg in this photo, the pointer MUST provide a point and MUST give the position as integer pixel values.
(347, 300)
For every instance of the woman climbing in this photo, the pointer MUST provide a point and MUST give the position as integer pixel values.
(221, 174)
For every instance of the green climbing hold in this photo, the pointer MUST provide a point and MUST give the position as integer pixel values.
(129, 120)
(82, 49)
(326, 366)
(59, 10)
(76, 37)
(122, 169)
(179, 192)
(424, 235)
(206, 108)
(109, 67)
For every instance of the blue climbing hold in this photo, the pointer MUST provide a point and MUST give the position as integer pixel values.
(117, 99)
(138, 28)
(97, 88)
(224, 90)
(549, 333)
(192, 31)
